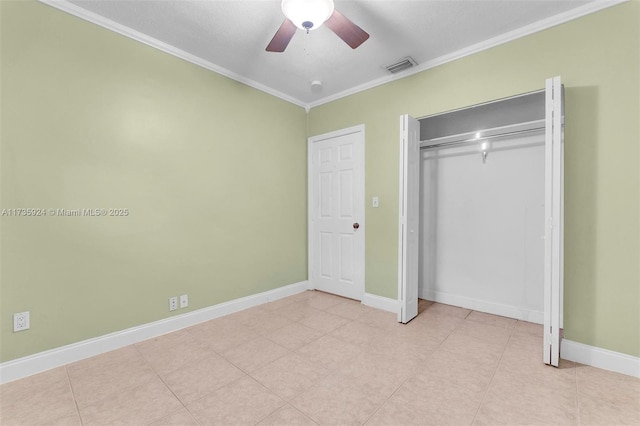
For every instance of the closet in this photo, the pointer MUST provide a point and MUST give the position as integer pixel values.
(481, 208)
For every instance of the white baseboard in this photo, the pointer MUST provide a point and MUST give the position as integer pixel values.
(569, 350)
(380, 302)
(484, 306)
(600, 358)
(32, 364)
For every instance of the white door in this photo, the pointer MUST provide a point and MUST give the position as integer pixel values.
(336, 212)
(554, 218)
(409, 213)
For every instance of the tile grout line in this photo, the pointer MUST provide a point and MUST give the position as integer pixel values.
(286, 404)
(389, 397)
(307, 343)
(294, 352)
(229, 348)
(361, 320)
(578, 414)
(408, 378)
(73, 394)
(249, 375)
(330, 371)
(271, 392)
(245, 374)
(259, 367)
(492, 376)
(136, 385)
(166, 385)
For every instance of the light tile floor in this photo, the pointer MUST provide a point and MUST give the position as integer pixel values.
(315, 358)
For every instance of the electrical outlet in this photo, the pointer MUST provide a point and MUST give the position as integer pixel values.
(184, 300)
(21, 321)
(173, 303)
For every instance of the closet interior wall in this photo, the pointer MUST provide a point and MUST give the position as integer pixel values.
(482, 218)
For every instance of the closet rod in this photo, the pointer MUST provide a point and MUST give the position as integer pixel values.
(474, 139)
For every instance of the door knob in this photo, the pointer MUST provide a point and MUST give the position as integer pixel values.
(356, 226)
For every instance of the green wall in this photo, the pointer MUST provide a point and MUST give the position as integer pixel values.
(213, 173)
(597, 57)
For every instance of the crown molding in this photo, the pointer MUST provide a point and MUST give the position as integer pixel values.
(94, 18)
(533, 28)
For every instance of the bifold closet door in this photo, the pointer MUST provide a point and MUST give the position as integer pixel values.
(554, 219)
(409, 213)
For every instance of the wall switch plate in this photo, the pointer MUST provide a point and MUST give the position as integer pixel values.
(184, 300)
(173, 303)
(21, 321)
(375, 202)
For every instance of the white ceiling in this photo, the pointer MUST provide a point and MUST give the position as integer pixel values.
(230, 36)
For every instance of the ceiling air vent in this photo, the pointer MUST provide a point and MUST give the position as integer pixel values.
(402, 65)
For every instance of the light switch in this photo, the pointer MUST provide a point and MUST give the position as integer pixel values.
(376, 202)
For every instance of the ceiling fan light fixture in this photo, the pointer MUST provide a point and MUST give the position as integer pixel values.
(307, 14)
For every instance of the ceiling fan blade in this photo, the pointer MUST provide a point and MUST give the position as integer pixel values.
(349, 32)
(283, 36)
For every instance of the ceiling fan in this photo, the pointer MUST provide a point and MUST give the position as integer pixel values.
(308, 15)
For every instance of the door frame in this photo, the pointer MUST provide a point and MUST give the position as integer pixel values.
(553, 283)
(359, 273)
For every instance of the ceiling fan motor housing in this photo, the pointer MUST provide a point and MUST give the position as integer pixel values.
(311, 14)
(307, 14)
